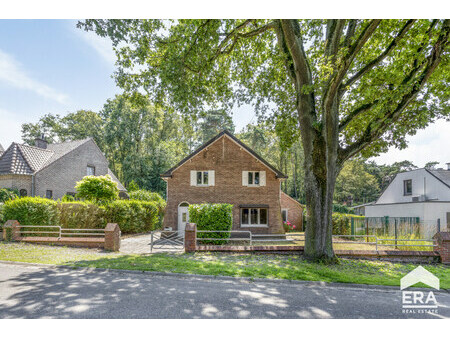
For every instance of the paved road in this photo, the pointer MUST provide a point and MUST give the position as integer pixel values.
(45, 292)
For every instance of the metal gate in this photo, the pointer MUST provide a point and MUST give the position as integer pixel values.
(166, 240)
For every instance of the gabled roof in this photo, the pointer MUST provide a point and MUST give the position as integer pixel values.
(23, 159)
(2, 150)
(115, 179)
(224, 133)
(441, 175)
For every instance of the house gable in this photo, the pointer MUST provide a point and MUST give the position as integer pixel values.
(425, 187)
(215, 139)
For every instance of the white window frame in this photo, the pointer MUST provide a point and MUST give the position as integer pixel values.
(203, 184)
(287, 214)
(253, 173)
(259, 224)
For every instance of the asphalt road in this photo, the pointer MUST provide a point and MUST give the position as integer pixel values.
(47, 292)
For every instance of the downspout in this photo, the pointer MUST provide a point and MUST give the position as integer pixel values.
(33, 183)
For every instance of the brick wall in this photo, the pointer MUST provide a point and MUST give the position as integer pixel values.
(228, 160)
(16, 182)
(62, 175)
(295, 210)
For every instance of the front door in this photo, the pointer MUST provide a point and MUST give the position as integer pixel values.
(183, 218)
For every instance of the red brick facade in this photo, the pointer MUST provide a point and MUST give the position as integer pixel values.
(294, 211)
(228, 159)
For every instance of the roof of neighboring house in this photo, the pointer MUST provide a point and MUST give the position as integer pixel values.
(361, 205)
(22, 159)
(115, 179)
(2, 150)
(278, 173)
(442, 175)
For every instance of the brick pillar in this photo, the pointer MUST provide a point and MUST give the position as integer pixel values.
(13, 227)
(190, 237)
(443, 246)
(112, 237)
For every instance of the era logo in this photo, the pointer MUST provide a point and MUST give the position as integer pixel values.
(419, 299)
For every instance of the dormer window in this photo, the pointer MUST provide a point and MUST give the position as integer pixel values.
(407, 187)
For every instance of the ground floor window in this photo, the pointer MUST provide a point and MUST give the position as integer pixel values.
(23, 192)
(284, 214)
(49, 194)
(254, 216)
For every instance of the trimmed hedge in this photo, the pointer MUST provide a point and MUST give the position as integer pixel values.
(342, 223)
(212, 217)
(32, 211)
(132, 216)
(7, 194)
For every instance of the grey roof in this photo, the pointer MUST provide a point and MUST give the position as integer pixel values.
(2, 150)
(442, 175)
(115, 179)
(12, 161)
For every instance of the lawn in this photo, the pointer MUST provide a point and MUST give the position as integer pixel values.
(239, 265)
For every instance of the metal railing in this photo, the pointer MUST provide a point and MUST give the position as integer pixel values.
(165, 239)
(61, 232)
(292, 237)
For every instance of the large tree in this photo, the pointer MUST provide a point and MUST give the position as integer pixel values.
(349, 86)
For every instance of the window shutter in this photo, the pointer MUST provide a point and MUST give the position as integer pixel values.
(262, 178)
(245, 178)
(193, 177)
(211, 178)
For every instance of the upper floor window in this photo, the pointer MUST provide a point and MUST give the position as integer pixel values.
(407, 187)
(254, 178)
(49, 194)
(90, 170)
(202, 178)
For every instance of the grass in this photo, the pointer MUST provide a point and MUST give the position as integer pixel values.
(239, 265)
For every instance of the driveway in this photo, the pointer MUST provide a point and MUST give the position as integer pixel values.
(47, 292)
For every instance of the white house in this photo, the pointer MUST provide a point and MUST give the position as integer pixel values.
(420, 193)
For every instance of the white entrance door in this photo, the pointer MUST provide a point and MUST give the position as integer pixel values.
(183, 218)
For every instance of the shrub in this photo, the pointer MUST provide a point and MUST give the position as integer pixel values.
(148, 196)
(2, 219)
(81, 215)
(132, 216)
(32, 211)
(288, 226)
(212, 217)
(8, 194)
(100, 189)
(67, 198)
(132, 186)
(342, 209)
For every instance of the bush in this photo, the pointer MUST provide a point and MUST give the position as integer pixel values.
(32, 211)
(100, 189)
(288, 226)
(132, 216)
(67, 198)
(2, 219)
(212, 217)
(81, 215)
(132, 186)
(8, 194)
(342, 209)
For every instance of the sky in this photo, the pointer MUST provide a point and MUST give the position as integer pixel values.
(50, 66)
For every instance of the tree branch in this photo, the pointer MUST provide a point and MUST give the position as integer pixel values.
(334, 32)
(378, 127)
(361, 109)
(350, 32)
(382, 56)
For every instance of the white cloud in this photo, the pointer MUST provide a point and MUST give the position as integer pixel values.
(102, 46)
(430, 144)
(13, 74)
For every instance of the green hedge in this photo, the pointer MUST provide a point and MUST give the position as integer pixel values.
(342, 223)
(212, 217)
(7, 194)
(32, 211)
(132, 216)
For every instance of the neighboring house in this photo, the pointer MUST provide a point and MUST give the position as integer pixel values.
(1, 150)
(420, 193)
(51, 170)
(225, 170)
(360, 210)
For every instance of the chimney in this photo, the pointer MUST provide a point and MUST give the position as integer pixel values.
(41, 142)
(448, 165)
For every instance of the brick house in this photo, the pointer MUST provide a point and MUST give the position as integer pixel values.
(225, 170)
(52, 170)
